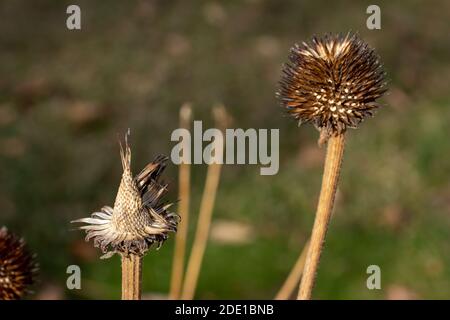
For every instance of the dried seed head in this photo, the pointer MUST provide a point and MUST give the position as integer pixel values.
(139, 217)
(332, 82)
(18, 268)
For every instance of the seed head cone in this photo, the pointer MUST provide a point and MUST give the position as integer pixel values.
(139, 218)
(332, 82)
(18, 267)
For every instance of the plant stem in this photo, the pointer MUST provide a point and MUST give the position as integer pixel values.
(294, 277)
(205, 214)
(131, 277)
(184, 196)
(330, 180)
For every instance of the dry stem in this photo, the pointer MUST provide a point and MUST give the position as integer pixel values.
(204, 218)
(330, 179)
(183, 210)
(294, 277)
(131, 277)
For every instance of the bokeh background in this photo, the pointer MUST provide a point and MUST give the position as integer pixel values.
(65, 95)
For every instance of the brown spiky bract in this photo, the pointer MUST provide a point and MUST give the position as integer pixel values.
(18, 267)
(139, 217)
(332, 82)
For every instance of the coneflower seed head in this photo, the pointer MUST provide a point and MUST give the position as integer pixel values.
(139, 217)
(18, 267)
(332, 82)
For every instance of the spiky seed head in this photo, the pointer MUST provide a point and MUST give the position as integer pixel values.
(333, 82)
(18, 267)
(139, 217)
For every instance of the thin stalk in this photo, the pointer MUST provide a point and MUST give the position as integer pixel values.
(183, 211)
(294, 276)
(205, 215)
(332, 168)
(131, 277)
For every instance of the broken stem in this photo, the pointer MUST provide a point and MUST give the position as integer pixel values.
(206, 210)
(294, 277)
(184, 196)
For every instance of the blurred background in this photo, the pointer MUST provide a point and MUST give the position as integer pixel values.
(65, 95)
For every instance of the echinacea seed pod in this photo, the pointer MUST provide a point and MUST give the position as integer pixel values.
(139, 217)
(332, 82)
(18, 267)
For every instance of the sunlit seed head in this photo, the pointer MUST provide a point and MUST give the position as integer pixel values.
(333, 82)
